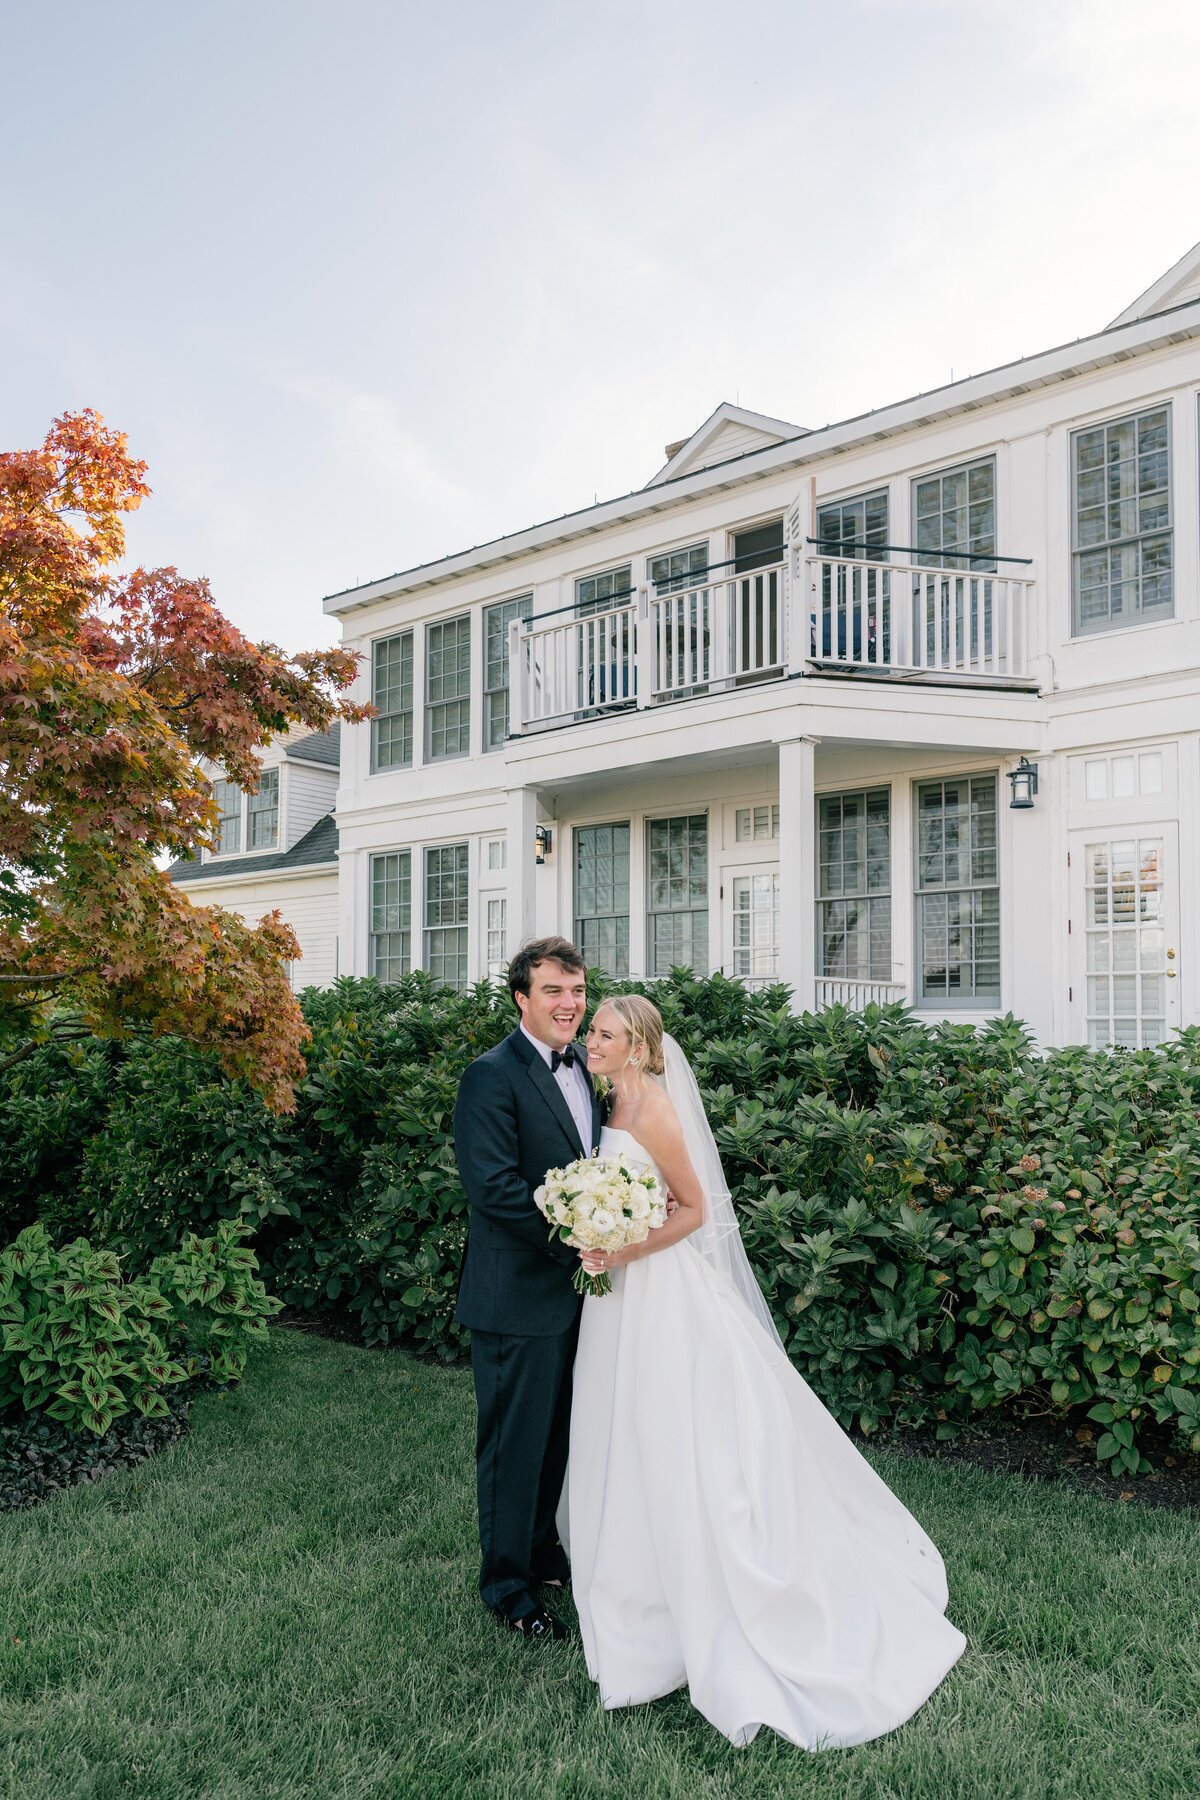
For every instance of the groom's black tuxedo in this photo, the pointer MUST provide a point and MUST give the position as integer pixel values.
(511, 1124)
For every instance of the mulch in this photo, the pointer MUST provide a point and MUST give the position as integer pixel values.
(1038, 1448)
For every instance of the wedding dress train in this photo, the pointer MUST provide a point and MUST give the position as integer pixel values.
(724, 1533)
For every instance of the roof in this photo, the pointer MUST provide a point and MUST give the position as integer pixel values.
(1180, 284)
(317, 847)
(322, 747)
(1157, 322)
(729, 431)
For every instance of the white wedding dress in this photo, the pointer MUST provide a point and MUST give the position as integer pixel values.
(723, 1531)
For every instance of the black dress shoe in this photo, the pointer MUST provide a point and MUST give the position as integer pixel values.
(538, 1624)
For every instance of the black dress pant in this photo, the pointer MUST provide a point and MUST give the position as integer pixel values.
(523, 1394)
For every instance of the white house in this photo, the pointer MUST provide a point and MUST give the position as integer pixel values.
(908, 706)
(278, 848)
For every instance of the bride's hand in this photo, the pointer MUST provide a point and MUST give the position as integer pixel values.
(600, 1262)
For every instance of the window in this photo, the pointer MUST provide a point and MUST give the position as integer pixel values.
(1121, 480)
(678, 568)
(228, 797)
(602, 896)
(446, 914)
(758, 547)
(497, 854)
(448, 688)
(854, 885)
(1123, 777)
(496, 621)
(677, 855)
(263, 811)
(755, 823)
(855, 528)
(955, 513)
(958, 894)
(495, 930)
(392, 694)
(596, 593)
(756, 926)
(391, 915)
(1123, 923)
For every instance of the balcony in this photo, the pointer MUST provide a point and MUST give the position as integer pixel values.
(816, 614)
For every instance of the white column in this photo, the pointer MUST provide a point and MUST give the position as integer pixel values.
(522, 820)
(797, 870)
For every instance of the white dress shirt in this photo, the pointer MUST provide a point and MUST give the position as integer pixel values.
(575, 1087)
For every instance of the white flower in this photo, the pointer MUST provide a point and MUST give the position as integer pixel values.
(603, 1221)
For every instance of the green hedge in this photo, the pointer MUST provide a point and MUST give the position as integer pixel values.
(943, 1221)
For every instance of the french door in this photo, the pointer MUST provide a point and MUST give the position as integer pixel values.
(752, 923)
(1125, 935)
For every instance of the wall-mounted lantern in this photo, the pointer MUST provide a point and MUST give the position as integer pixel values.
(1024, 783)
(543, 843)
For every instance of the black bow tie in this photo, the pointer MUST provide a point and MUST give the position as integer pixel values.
(569, 1056)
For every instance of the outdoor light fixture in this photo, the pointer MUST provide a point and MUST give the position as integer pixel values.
(543, 842)
(1023, 780)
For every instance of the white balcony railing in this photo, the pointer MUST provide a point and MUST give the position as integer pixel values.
(908, 618)
(866, 617)
(838, 991)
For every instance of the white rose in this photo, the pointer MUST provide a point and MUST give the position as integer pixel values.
(603, 1222)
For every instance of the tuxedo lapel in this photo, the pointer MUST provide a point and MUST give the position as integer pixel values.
(539, 1073)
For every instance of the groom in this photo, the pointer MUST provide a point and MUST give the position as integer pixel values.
(523, 1108)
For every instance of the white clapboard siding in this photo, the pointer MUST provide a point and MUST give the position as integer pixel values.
(311, 793)
(732, 440)
(308, 903)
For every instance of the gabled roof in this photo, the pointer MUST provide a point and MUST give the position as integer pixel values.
(322, 747)
(1180, 284)
(319, 845)
(730, 431)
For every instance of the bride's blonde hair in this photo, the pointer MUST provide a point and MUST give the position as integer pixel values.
(643, 1021)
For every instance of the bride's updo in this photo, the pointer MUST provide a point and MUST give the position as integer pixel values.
(643, 1021)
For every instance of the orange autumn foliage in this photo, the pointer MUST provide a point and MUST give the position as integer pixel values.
(112, 688)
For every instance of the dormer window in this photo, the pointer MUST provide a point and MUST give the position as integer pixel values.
(263, 812)
(228, 797)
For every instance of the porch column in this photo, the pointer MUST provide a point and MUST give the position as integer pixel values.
(520, 855)
(797, 870)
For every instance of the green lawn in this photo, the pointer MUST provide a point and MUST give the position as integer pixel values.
(284, 1605)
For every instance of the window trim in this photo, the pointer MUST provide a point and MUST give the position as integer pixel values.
(865, 894)
(491, 606)
(965, 466)
(463, 925)
(651, 912)
(374, 858)
(578, 917)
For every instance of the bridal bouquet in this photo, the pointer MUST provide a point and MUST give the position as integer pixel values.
(597, 1203)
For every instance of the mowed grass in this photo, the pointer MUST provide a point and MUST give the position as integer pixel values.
(284, 1605)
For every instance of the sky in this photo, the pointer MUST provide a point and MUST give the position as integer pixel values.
(368, 283)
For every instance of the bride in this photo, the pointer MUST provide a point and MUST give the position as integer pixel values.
(724, 1533)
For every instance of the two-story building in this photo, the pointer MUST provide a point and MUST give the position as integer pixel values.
(904, 707)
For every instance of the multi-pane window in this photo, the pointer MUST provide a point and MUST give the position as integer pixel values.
(228, 797)
(496, 621)
(756, 823)
(602, 896)
(854, 885)
(391, 915)
(677, 870)
(958, 893)
(678, 568)
(756, 926)
(1121, 474)
(263, 812)
(596, 593)
(448, 688)
(1126, 980)
(446, 915)
(392, 694)
(955, 514)
(495, 916)
(855, 528)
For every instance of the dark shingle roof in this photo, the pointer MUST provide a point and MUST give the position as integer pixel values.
(318, 747)
(320, 845)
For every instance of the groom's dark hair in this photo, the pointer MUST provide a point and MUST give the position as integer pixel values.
(539, 950)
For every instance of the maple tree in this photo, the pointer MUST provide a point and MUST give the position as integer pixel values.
(113, 687)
